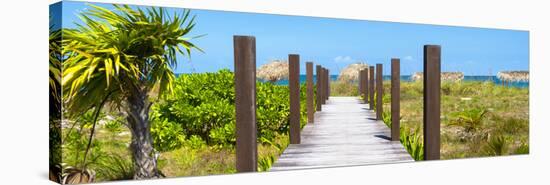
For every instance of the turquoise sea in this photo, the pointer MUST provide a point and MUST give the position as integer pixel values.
(407, 78)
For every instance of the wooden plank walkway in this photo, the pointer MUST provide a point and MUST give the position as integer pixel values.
(344, 134)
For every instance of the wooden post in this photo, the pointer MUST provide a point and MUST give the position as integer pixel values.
(328, 83)
(379, 92)
(364, 79)
(322, 85)
(245, 103)
(324, 82)
(395, 104)
(432, 87)
(360, 83)
(318, 87)
(309, 95)
(366, 85)
(294, 86)
(371, 87)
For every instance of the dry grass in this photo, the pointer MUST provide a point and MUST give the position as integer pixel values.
(507, 117)
(343, 88)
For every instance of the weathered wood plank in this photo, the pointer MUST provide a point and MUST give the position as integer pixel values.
(345, 133)
(245, 101)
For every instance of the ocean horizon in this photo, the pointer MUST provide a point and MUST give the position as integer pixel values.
(407, 78)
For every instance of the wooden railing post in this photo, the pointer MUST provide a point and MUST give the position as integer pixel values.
(328, 83)
(364, 79)
(322, 85)
(360, 83)
(371, 87)
(318, 87)
(309, 93)
(395, 93)
(366, 84)
(432, 111)
(379, 92)
(245, 103)
(294, 86)
(324, 82)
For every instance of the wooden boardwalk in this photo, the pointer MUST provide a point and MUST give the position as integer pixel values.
(344, 134)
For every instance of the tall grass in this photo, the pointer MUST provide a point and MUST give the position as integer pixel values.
(340, 88)
(477, 118)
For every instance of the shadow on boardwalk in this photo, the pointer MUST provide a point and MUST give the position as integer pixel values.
(343, 134)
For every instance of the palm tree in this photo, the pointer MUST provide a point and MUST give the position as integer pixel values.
(125, 58)
(55, 103)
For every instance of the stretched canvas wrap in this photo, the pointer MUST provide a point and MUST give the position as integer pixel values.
(139, 92)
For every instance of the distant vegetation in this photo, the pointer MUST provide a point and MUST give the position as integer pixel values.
(478, 119)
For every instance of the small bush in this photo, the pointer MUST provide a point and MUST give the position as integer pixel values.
(265, 163)
(497, 145)
(114, 167)
(203, 105)
(522, 149)
(471, 120)
(413, 143)
(166, 135)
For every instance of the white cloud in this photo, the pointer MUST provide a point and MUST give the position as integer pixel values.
(343, 59)
(408, 58)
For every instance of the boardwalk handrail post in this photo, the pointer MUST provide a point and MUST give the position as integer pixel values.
(360, 83)
(328, 83)
(432, 106)
(318, 87)
(294, 86)
(371, 87)
(379, 92)
(395, 93)
(324, 84)
(364, 79)
(245, 103)
(366, 84)
(309, 91)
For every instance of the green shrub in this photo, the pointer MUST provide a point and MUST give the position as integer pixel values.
(166, 135)
(522, 149)
(413, 143)
(114, 126)
(471, 120)
(224, 136)
(200, 103)
(114, 167)
(386, 118)
(203, 105)
(497, 145)
(195, 142)
(265, 163)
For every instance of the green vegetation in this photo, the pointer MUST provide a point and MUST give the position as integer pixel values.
(123, 58)
(193, 130)
(478, 119)
(339, 88)
(127, 116)
(413, 142)
(54, 124)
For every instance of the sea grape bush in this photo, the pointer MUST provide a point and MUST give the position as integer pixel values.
(199, 104)
(203, 106)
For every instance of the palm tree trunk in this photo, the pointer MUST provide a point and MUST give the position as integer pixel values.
(145, 163)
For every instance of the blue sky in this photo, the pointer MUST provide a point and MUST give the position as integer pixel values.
(336, 43)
